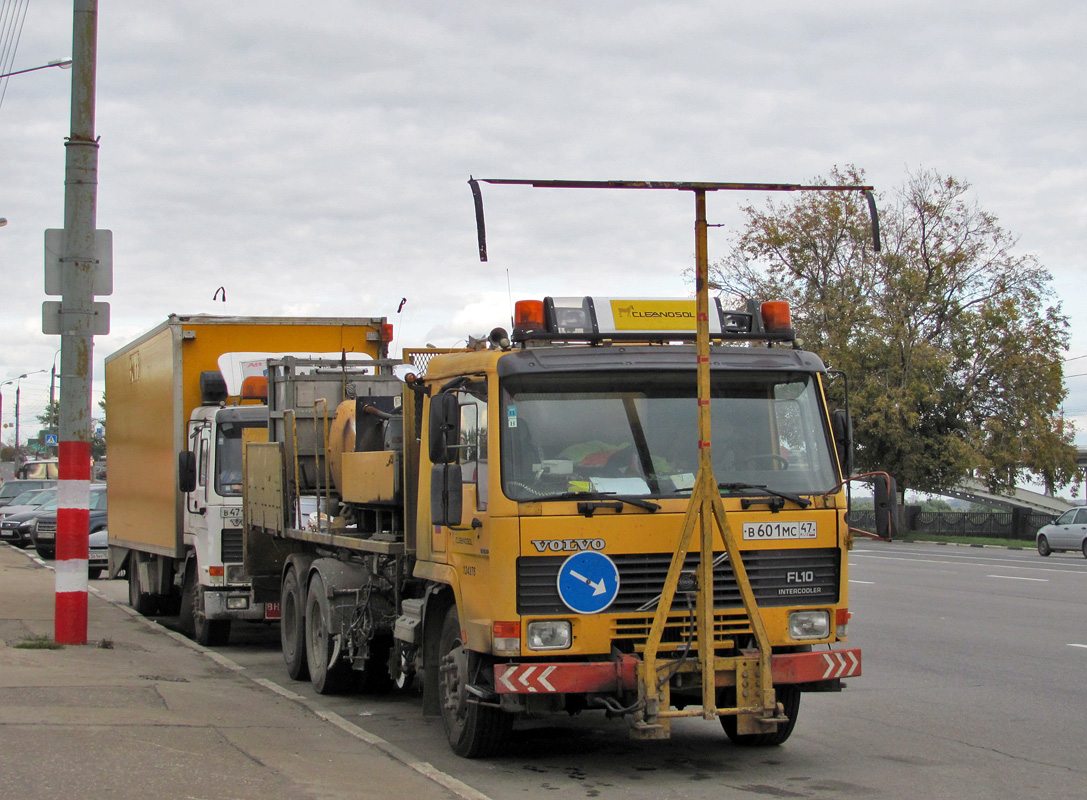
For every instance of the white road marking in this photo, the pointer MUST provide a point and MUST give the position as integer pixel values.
(866, 583)
(1019, 578)
(975, 563)
(1084, 646)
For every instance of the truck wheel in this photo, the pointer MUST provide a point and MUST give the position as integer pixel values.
(326, 677)
(788, 696)
(1043, 546)
(142, 602)
(292, 626)
(209, 633)
(473, 730)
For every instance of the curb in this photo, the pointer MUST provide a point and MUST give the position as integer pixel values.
(423, 768)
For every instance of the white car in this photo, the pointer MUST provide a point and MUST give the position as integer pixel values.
(98, 554)
(1067, 532)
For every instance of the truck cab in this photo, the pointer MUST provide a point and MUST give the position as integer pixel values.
(216, 588)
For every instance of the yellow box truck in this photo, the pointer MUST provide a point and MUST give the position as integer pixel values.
(178, 414)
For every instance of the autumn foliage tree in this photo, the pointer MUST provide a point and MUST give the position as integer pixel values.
(951, 338)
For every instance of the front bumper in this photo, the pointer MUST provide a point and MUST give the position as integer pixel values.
(621, 674)
(217, 605)
(15, 537)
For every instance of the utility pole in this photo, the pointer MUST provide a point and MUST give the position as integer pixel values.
(76, 327)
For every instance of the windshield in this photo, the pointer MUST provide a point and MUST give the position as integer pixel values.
(228, 466)
(24, 498)
(637, 433)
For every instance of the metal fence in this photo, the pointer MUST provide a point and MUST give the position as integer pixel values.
(1018, 523)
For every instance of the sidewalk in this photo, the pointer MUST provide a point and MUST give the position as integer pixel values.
(136, 714)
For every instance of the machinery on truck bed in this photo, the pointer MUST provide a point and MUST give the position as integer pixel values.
(175, 453)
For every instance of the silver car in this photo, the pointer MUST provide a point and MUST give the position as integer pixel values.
(1067, 532)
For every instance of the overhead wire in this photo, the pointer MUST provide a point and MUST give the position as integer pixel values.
(12, 18)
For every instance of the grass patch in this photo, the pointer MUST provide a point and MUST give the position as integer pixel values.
(971, 540)
(38, 643)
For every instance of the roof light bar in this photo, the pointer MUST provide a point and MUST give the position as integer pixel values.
(642, 319)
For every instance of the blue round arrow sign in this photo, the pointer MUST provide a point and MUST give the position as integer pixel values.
(588, 582)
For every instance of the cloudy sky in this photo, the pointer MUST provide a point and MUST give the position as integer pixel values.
(312, 158)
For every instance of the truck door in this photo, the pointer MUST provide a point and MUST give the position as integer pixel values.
(196, 501)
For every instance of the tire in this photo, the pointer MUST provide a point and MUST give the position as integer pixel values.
(473, 730)
(44, 552)
(94, 573)
(788, 696)
(1084, 548)
(292, 626)
(1043, 546)
(327, 678)
(209, 633)
(141, 601)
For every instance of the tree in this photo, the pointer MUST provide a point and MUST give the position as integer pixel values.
(951, 339)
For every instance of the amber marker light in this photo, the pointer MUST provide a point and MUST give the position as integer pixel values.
(776, 316)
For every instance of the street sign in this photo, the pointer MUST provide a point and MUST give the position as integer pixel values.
(52, 325)
(50, 440)
(588, 582)
(103, 254)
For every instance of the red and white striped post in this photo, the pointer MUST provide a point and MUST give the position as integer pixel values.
(73, 512)
(76, 334)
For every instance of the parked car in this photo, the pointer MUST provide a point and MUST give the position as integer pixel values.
(98, 554)
(18, 529)
(45, 524)
(31, 500)
(1067, 532)
(13, 488)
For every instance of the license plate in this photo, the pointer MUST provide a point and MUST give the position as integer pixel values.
(756, 531)
(272, 611)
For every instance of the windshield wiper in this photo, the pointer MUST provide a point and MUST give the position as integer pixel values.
(603, 497)
(803, 502)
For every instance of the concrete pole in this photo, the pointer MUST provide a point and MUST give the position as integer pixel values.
(76, 340)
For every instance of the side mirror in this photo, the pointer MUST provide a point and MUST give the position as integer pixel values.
(446, 495)
(886, 505)
(841, 426)
(186, 471)
(444, 428)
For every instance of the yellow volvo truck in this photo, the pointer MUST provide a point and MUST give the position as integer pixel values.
(177, 418)
(512, 524)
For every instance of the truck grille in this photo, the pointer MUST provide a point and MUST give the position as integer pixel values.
(728, 626)
(778, 578)
(232, 546)
(45, 526)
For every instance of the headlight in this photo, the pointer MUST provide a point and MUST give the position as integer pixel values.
(235, 573)
(809, 624)
(237, 603)
(551, 634)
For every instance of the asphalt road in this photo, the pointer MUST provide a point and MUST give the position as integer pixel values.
(975, 663)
